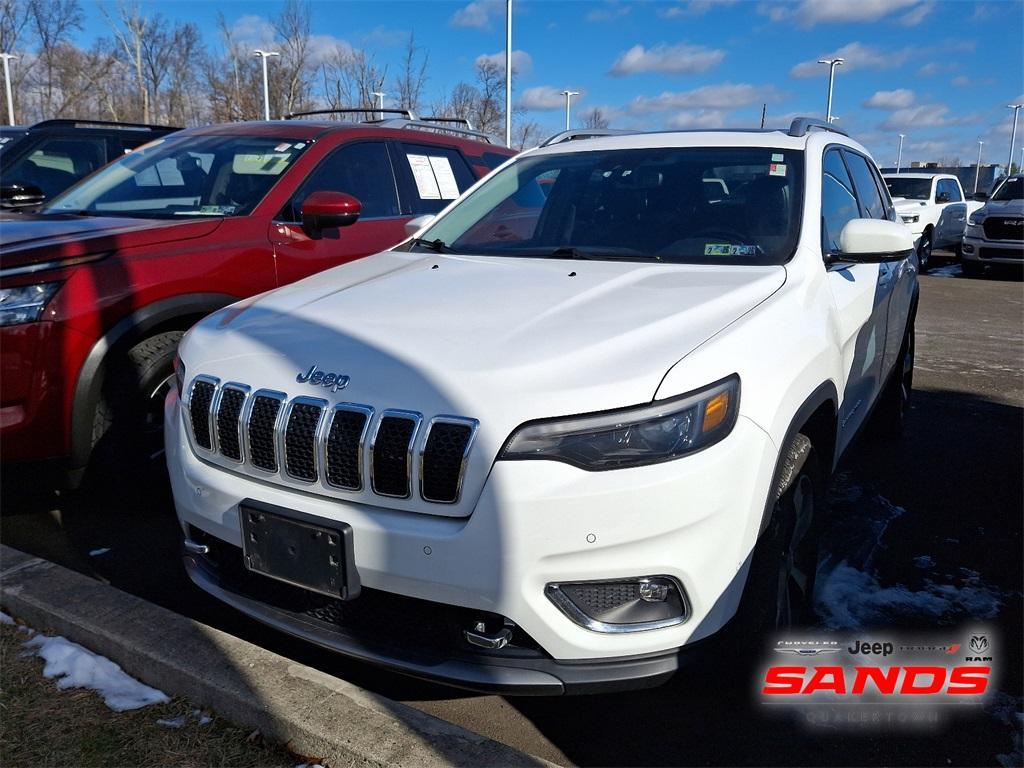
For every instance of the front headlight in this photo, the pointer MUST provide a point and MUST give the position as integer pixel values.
(976, 218)
(25, 304)
(631, 437)
(910, 218)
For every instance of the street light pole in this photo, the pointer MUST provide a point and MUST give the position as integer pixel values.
(977, 170)
(380, 105)
(832, 64)
(508, 73)
(1013, 133)
(568, 98)
(899, 155)
(7, 84)
(266, 83)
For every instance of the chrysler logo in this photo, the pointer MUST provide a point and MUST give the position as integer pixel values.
(333, 381)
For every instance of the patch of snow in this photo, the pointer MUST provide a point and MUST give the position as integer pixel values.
(174, 722)
(950, 270)
(309, 765)
(5, 619)
(76, 667)
(924, 561)
(98, 552)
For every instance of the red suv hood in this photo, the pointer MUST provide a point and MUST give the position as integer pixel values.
(32, 238)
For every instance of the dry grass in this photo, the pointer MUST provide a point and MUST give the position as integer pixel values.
(41, 726)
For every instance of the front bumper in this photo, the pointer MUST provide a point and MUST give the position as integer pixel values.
(992, 251)
(536, 523)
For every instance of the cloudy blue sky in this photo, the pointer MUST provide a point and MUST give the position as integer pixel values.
(940, 72)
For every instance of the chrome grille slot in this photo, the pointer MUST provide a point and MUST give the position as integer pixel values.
(343, 456)
(300, 438)
(444, 456)
(199, 404)
(391, 453)
(228, 420)
(261, 437)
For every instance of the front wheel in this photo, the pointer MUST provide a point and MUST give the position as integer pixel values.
(924, 252)
(780, 584)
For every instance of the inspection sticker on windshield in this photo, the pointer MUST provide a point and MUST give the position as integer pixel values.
(282, 147)
(725, 249)
(777, 157)
(777, 169)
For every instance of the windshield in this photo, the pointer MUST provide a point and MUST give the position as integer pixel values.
(697, 205)
(911, 189)
(1011, 189)
(184, 176)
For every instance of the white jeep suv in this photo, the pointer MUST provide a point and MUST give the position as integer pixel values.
(571, 428)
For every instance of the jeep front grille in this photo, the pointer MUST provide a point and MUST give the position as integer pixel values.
(346, 447)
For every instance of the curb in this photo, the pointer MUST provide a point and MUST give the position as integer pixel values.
(311, 712)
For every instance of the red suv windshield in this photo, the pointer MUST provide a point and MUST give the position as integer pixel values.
(184, 176)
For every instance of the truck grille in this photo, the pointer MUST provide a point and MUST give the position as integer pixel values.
(1004, 228)
(306, 439)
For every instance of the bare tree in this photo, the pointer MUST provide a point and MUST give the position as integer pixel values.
(293, 77)
(594, 118)
(409, 84)
(132, 32)
(14, 18)
(233, 81)
(526, 134)
(350, 78)
(52, 22)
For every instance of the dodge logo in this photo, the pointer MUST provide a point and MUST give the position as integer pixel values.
(334, 381)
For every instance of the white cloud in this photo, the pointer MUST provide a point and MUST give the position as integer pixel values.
(324, 47)
(901, 98)
(917, 14)
(611, 10)
(855, 56)
(713, 118)
(924, 116)
(667, 59)
(544, 98)
(522, 63)
(253, 31)
(477, 15)
(691, 8)
(961, 82)
(809, 13)
(725, 96)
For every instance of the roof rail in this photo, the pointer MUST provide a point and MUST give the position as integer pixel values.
(801, 126)
(458, 120)
(406, 113)
(582, 133)
(104, 123)
(424, 125)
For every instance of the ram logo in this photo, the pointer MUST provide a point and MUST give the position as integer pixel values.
(979, 643)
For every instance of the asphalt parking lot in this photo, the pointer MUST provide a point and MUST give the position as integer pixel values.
(928, 533)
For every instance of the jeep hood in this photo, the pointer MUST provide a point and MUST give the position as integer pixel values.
(497, 339)
(27, 238)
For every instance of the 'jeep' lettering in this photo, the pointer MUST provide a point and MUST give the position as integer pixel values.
(333, 381)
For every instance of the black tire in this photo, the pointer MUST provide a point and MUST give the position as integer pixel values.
(891, 414)
(780, 584)
(971, 268)
(924, 252)
(128, 426)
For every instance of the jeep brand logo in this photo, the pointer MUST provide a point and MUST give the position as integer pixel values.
(335, 381)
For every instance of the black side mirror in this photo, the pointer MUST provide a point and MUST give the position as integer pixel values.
(942, 197)
(21, 196)
(981, 197)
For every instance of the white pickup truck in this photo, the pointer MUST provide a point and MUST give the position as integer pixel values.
(935, 209)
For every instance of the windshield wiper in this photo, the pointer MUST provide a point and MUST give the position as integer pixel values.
(570, 252)
(437, 246)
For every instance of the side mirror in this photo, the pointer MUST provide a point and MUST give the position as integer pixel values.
(872, 241)
(981, 197)
(412, 226)
(942, 197)
(21, 195)
(329, 210)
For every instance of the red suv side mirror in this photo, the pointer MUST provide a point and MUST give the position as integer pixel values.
(328, 210)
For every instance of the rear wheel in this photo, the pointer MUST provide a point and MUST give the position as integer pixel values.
(780, 585)
(128, 425)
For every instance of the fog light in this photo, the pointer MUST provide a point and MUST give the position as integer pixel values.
(968, 248)
(623, 605)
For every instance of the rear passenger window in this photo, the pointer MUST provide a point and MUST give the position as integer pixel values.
(433, 176)
(867, 191)
(838, 203)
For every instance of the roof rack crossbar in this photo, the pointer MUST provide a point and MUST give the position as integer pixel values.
(456, 120)
(107, 123)
(801, 126)
(406, 113)
(583, 133)
(425, 125)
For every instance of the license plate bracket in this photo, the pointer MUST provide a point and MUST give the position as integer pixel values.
(299, 549)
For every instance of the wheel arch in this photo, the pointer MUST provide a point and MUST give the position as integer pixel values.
(173, 313)
(817, 419)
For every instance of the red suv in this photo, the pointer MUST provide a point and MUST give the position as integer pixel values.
(100, 284)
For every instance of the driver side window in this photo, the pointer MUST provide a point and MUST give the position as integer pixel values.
(362, 170)
(838, 203)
